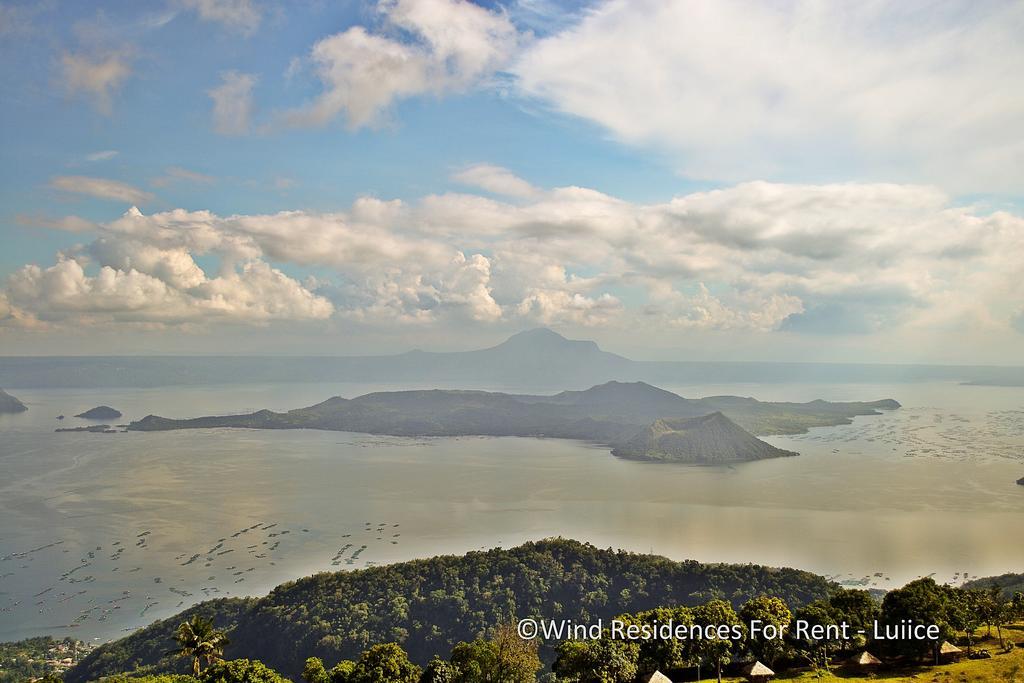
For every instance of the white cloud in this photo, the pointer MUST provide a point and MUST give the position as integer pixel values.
(232, 103)
(737, 90)
(256, 293)
(739, 311)
(552, 307)
(95, 77)
(758, 257)
(177, 174)
(240, 15)
(103, 188)
(65, 223)
(456, 45)
(495, 179)
(104, 155)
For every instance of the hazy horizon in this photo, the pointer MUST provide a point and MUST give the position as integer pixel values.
(466, 349)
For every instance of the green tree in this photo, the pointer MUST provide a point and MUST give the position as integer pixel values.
(855, 607)
(342, 671)
(821, 616)
(473, 661)
(603, 660)
(241, 671)
(962, 613)
(1003, 614)
(989, 603)
(767, 610)
(920, 602)
(440, 671)
(717, 651)
(155, 678)
(314, 672)
(662, 653)
(504, 658)
(199, 640)
(516, 659)
(386, 663)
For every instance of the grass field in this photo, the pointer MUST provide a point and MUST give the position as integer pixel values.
(1002, 668)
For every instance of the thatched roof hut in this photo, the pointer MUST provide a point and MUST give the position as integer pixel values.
(948, 652)
(655, 677)
(757, 673)
(865, 660)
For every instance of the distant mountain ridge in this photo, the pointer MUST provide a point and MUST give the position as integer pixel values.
(534, 358)
(613, 413)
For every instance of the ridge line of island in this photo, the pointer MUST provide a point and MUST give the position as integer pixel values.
(635, 420)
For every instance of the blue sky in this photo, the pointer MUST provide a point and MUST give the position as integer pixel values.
(674, 179)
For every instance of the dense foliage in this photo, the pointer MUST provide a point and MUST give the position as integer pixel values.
(144, 648)
(613, 656)
(1008, 584)
(428, 606)
(241, 671)
(32, 657)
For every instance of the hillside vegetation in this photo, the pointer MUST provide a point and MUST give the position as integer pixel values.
(1008, 584)
(428, 606)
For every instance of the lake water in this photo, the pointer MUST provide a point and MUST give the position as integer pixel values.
(103, 533)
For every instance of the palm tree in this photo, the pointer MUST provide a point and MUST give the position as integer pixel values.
(198, 639)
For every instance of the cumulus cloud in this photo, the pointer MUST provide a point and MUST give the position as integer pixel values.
(102, 188)
(745, 310)
(455, 45)
(758, 257)
(495, 179)
(65, 291)
(97, 78)
(737, 90)
(232, 103)
(240, 15)
(560, 307)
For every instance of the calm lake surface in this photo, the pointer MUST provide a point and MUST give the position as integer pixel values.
(103, 533)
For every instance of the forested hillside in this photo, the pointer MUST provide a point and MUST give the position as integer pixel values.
(427, 606)
(1008, 584)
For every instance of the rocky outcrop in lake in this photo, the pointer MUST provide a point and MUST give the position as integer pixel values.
(706, 440)
(100, 413)
(9, 404)
(95, 429)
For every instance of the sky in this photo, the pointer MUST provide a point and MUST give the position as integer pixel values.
(734, 180)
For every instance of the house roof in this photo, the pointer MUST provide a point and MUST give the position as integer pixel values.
(757, 669)
(655, 677)
(865, 659)
(948, 648)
